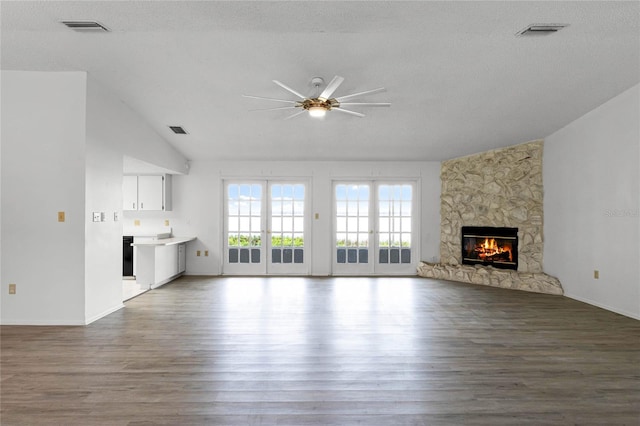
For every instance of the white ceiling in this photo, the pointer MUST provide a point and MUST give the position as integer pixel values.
(458, 78)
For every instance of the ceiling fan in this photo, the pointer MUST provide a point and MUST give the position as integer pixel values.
(322, 102)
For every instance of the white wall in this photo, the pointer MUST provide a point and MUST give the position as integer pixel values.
(64, 138)
(197, 204)
(113, 131)
(592, 205)
(43, 172)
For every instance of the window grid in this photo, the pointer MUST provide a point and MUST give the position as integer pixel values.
(352, 216)
(394, 218)
(287, 223)
(244, 240)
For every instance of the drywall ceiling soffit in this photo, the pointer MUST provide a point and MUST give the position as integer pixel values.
(133, 166)
(458, 78)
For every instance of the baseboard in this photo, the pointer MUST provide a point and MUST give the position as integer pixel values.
(41, 322)
(103, 314)
(603, 306)
(168, 280)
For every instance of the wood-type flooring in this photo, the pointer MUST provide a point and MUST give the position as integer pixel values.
(327, 351)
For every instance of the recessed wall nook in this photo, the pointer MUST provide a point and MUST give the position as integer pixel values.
(489, 192)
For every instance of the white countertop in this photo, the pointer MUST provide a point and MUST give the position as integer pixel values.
(164, 241)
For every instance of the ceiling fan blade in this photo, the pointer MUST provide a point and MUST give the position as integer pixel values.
(285, 87)
(347, 111)
(269, 99)
(331, 87)
(296, 114)
(378, 104)
(273, 109)
(342, 98)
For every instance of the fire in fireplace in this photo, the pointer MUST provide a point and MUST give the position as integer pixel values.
(485, 245)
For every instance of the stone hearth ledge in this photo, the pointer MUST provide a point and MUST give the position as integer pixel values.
(536, 282)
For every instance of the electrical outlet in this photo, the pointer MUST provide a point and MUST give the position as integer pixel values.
(206, 252)
(596, 274)
(12, 289)
(166, 222)
(198, 253)
(96, 216)
(61, 217)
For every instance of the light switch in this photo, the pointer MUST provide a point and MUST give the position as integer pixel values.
(12, 289)
(166, 222)
(136, 222)
(317, 216)
(116, 216)
(60, 216)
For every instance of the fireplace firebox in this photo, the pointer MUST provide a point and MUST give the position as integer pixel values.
(485, 245)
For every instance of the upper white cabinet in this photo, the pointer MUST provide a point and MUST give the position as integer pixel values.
(150, 192)
(130, 193)
(147, 192)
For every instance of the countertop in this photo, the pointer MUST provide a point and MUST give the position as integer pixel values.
(164, 241)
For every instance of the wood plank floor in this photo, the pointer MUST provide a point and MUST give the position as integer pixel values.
(328, 351)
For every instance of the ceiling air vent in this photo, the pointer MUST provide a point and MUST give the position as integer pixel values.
(540, 29)
(86, 26)
(178, 130)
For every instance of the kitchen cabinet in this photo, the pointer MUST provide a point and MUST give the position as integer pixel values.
(150, 192)
(166, 263)
(130, 193)
(159, 261)
(182, 258)
(147, 192)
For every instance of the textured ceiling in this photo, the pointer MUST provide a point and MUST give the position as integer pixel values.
(458, 78)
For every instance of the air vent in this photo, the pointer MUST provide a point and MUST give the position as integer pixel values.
(540, 29)
(178, 130)
(86, 26)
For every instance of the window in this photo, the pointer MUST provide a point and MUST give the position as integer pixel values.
(244, 237)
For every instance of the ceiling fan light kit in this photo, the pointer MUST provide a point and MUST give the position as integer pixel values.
(322, 102)
(317, 111)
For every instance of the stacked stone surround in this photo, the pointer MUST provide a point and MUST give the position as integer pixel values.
(500, 188)
(534, 282)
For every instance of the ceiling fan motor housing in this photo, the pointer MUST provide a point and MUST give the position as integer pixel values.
(319, 103)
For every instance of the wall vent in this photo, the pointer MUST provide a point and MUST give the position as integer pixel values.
(178, 130)
(540, 29)
(85, 26)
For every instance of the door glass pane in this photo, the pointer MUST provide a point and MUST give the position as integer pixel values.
(287, 223)
(244, 222)
(352, 223)
(395, 222)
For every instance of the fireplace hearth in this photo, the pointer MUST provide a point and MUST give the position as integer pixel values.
(490, 246)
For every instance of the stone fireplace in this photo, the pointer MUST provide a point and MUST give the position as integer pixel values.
(490, 246)
(495, 189)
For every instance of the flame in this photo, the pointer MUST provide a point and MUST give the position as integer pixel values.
(490, 248)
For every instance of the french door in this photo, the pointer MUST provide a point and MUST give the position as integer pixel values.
(266, 228)
(374, 228)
